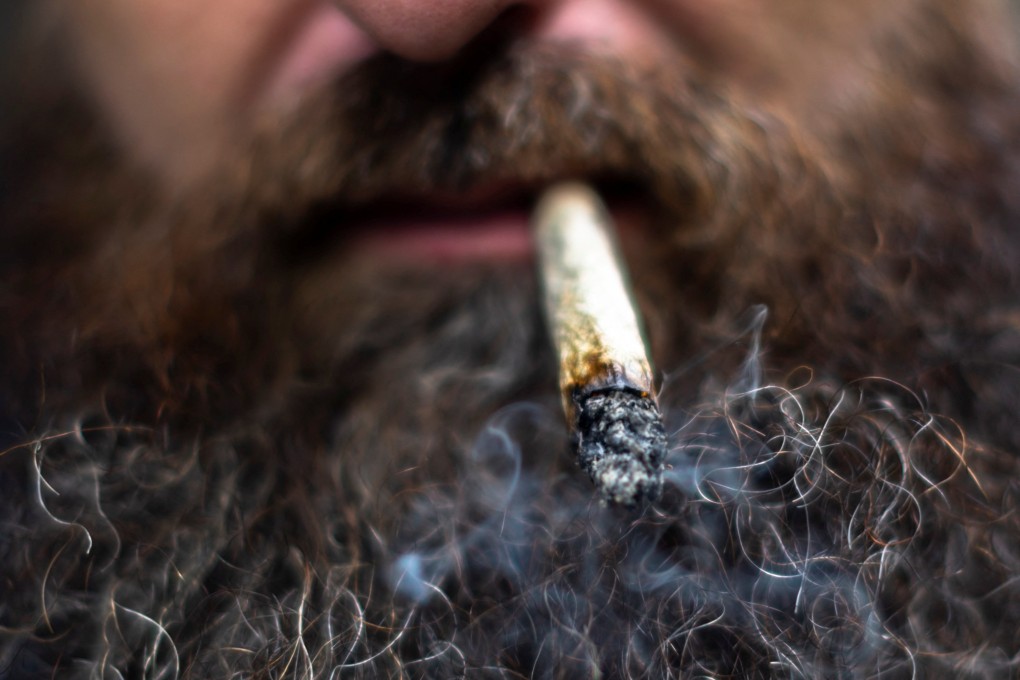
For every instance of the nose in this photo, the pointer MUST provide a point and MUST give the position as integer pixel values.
(425, 30)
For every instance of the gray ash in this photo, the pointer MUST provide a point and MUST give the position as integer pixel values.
(621, 444)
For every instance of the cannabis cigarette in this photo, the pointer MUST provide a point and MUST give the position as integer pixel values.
(606, 378)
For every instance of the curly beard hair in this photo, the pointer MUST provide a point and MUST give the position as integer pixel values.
(234, 448)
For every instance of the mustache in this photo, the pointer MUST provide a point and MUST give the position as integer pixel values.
(516, 120)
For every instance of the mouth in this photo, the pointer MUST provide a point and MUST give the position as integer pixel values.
(489, 224)
(430, 166)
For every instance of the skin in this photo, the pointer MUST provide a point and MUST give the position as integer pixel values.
(182, 80)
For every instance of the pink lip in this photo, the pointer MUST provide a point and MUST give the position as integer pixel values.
(500, 234)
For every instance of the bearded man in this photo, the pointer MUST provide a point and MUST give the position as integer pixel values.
(278, 399)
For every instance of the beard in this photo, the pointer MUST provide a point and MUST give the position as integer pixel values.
(246, 449)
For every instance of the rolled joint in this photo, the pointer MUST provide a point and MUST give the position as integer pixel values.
(606, 377)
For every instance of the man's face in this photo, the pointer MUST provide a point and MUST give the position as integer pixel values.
(354, 145)
(186, 86)
(286, 366)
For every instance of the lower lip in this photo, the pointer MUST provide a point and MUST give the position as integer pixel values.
(497, 236)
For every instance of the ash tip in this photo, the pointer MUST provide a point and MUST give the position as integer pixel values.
(621, 444)
(624, 482)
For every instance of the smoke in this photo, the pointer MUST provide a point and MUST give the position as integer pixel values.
(794, 520)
